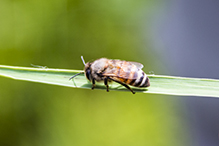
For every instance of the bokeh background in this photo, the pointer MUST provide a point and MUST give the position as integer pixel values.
(169, 37)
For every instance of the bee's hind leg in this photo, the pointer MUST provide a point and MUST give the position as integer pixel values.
(127, 87)
(123, 85)
(93, 83)
(106, 83)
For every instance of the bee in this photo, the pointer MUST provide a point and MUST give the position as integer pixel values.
(123, 72)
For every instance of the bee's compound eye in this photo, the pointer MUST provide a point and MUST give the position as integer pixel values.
(88, 73)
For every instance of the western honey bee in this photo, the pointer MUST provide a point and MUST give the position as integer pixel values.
(123, 72)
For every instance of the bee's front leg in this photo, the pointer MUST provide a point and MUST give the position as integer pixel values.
(106, 83)
(93, 83)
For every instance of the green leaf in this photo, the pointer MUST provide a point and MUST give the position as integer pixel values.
(159, 84)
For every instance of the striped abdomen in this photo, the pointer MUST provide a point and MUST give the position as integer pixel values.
(141, 79)
(129, 73)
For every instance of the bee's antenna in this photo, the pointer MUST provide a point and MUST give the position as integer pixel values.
(76, 75)
(83, 60)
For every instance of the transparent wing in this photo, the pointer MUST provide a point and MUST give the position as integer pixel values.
(139, 65)
(129, 71)
(116, 76)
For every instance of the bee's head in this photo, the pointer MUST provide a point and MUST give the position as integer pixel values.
(87, 70)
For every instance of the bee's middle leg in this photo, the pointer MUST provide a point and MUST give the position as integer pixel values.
(106, 83)
(93, 83)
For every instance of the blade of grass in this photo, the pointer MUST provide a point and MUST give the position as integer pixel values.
(159, 84)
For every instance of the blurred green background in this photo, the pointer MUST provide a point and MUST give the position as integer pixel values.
(55, 33)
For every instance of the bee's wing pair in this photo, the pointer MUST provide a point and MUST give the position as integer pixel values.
(139, 65)
(124, 71)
